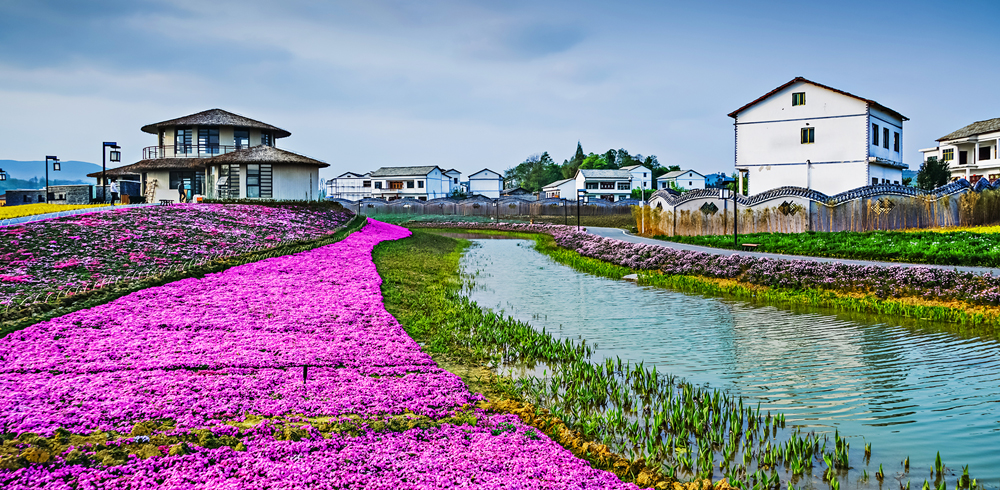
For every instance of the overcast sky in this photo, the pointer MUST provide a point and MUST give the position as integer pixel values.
(370, 83)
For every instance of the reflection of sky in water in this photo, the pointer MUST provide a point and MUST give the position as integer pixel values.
(910, 393)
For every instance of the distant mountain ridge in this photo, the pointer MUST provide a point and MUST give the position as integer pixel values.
(71, 170)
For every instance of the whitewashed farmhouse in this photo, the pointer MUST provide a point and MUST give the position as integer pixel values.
(217, 154)
(642, 177)
(422, 183)
(454, 181)
(350, 186)
(610, 185)
(809, 135)
(683, 179)
(565, 189)
(971, 152)
(486, 183)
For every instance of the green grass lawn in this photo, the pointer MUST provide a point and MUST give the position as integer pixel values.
(925, 247)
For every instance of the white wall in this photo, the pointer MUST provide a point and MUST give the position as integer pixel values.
(895, 125)
(642, 178)
(769, 141)
(291, 183)
(486, 183)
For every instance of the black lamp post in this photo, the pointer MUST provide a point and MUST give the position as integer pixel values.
(55, 167)
(3, 175)
(115, 156)
(580, 194)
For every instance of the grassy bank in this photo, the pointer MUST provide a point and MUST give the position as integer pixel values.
(967, 247)
(15, 318)
(660, 427)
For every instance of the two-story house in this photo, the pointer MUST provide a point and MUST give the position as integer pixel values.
(454, 178)
(423, 183)
(610, 185)
(971, 152)
(642, 177)
(350, 186)
(220, 155)
(809, 135)
(682, 179)
(565, 189)
(486, 183)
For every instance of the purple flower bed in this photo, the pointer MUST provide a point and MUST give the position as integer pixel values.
(499, 454)
(68, 253)
(231, 347)
(883, 282)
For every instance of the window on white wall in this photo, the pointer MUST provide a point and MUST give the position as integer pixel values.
(808, 135)
(874, 180)
(885, 138)
(875, 134)
(895, 142)
(985, 152)
(799, 98)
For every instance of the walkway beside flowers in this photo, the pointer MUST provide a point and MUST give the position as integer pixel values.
(619, 234)
(283, 373)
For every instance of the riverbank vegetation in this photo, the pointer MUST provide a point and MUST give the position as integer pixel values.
(661, 428)
(974, 246)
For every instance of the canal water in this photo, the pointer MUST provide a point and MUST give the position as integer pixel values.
(905, 388)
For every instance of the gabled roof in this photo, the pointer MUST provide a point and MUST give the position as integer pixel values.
(153, 164)
(633, 167)
(519, 190)
(803, 80)
(605, 173)
(978, 127)
(351, 175)
(446, 172)
(558, 183)
(404, 171)
(216, 117)
(484, 170)
(678, 173)
(263, 154)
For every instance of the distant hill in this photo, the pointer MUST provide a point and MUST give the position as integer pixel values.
(71, 170)
(31, 175)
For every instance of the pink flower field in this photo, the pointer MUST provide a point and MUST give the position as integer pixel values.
(288, 343)
(64, 254)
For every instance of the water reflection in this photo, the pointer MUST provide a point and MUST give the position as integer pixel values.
(910, 390)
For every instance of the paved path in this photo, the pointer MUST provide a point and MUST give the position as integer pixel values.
(619, 234)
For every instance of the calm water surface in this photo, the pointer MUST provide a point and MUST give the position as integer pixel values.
(908, 390)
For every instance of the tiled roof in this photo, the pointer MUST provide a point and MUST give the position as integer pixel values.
(263, 154)
(557, 183)
(606, 174)
(678, 173)
(803, 80)
(216, 117)
(154, 164)
(978, 127)
(403, 171)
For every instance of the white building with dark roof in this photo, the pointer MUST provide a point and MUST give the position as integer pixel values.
(683, 179)
(565, 189)
(423, 183)
(610, 185)
(809, 135)
(217, 154)
(454, 181)
(971, 152)
(486, 183)
(350, 186)
(642, 177)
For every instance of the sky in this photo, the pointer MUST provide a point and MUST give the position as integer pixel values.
(471, 85)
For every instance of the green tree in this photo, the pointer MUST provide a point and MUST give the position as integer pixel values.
(643, 194)
(533, 173)
(933, 174)
(569, 167)
(598, 162)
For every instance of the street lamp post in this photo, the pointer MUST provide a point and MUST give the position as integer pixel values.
(580, 194)
(115, 156)
(55, 168)
(3, 175)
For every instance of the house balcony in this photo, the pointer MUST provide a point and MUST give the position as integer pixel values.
(187, 151)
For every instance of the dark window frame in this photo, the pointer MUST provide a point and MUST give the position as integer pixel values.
(798, 98)
(948, 155)
(875, 134)
(237, 141)
(182, 140)
(590, 185)
(985, 150)
(895, 141)
(885, 138)
(808, 135)
(208, 139)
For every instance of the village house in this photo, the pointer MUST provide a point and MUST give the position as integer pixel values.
(682, 179)
(642, 177)
(350, 186)
(486, 183)
(422, 183)
(565, 189)
(217, 154)
(454, 181)
(809, 135)
(610, 185)
(971, 152)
